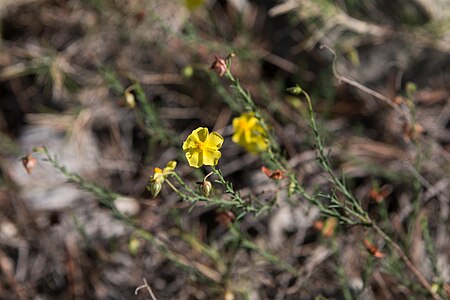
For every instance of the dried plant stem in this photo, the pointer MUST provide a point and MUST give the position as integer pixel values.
(145, 286)
(365, 89)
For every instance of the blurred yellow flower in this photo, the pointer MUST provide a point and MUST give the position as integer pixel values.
(158, 177)
(202, 147)
(249, 133)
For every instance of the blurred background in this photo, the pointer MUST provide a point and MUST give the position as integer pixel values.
(65, 66)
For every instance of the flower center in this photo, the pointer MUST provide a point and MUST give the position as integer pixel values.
(200, 145)
(243, 124)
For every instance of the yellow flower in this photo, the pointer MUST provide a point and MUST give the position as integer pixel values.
(158, 177)
(249, 133)
(202, 147)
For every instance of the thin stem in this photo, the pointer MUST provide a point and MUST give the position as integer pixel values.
(360, 213)
(422, 280)
(363, 88)
(172, 186)
(357, 211)
(107, 198)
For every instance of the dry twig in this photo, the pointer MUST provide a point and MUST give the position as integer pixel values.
(145, 286)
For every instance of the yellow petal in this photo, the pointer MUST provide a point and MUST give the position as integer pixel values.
(248, 137)
(214, 141)
(261, 144)
(201, 133)
(157, 177)
(191, 142)
(236, 137)
(170, 166)
(194, 157)
(236, 122)
(211, 157)
(252, 121)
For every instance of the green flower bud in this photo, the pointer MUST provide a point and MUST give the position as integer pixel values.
(296, 90)
(154, 187)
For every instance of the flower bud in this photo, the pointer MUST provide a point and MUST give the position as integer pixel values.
(373, 249)
(219, 66)
(275, 175)
(296, 90)
(129, 98)
(154, 187)
(329, 227)
(28, 162)
(205, 188)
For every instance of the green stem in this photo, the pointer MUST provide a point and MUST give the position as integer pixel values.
(107, 198)
(422, 280)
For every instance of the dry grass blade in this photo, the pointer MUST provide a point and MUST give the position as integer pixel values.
(147, 287)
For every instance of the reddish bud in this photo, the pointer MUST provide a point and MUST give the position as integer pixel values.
(412, 132)
(329, 227)
(219, 66)
(318, 225)
(275, 175)
(380, 194)
(372, 249)
(28, 162)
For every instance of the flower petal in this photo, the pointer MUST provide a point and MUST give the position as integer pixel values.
(248, 137)
(261, 144)
(194, 157)
(252, 122)
(201, 133)
(170, 166)
(211, 157)
(236, 136)
(157, 177)
(190, 142)
(240, 123)
(214, 141)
